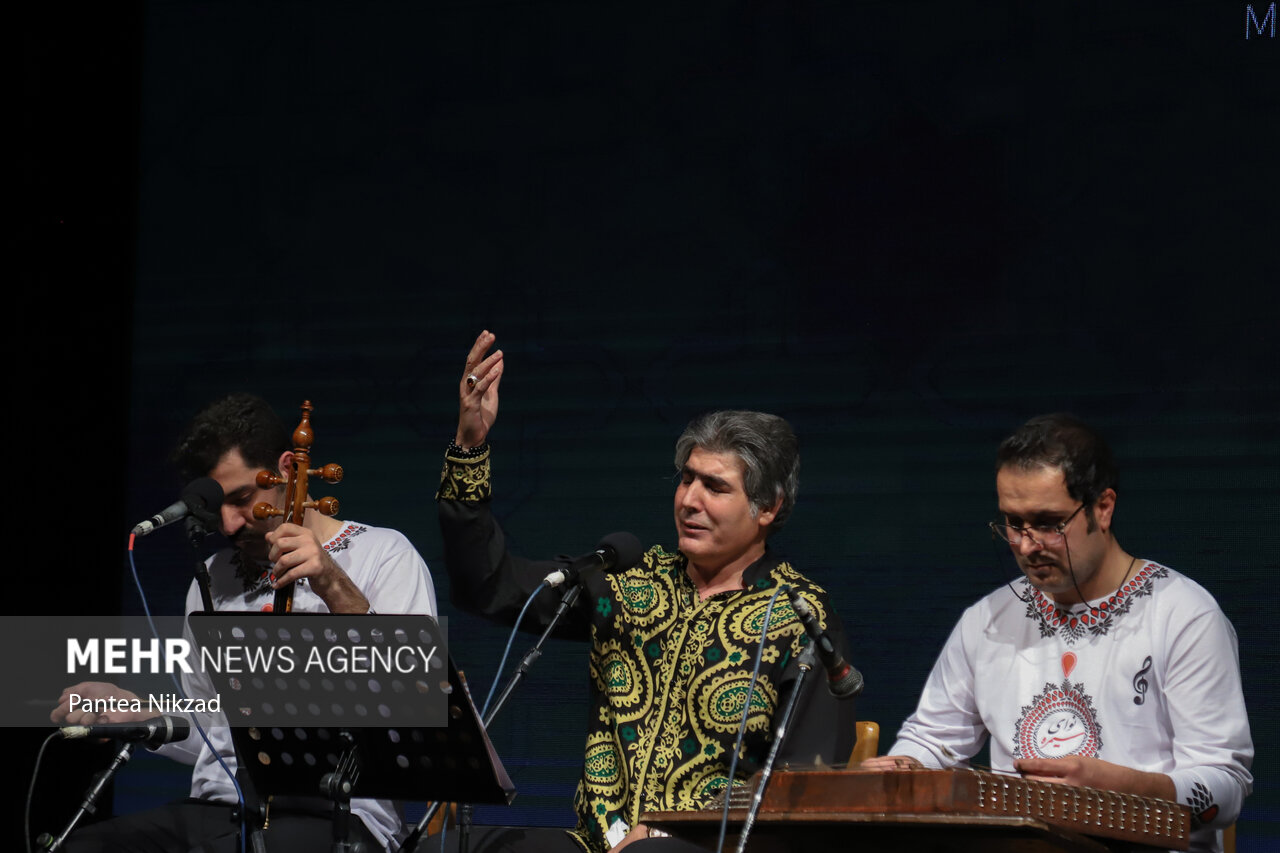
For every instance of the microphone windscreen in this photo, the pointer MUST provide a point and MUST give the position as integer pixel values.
(626, 546)
(203, 494)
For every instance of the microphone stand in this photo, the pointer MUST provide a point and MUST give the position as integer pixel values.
(805, 662)
(337, 787)
(530, 657)
(197, 530)
(90, 802)
(535, 652)
(248, 803)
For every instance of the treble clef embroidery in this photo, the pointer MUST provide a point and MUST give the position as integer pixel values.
(1140, 682)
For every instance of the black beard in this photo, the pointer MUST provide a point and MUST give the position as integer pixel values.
(252, 545)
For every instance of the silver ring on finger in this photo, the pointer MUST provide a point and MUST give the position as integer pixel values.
(472, 379)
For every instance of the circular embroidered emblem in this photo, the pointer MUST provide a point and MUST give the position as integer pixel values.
(1060, 721)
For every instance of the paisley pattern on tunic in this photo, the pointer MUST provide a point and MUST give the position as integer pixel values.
(670, 676)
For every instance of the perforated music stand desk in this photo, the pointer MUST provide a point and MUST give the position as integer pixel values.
(415, 733)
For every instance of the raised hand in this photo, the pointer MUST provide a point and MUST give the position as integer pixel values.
(478, 392)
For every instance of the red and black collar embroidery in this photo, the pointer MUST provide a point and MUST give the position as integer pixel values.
(1073, 624)
(254, 576)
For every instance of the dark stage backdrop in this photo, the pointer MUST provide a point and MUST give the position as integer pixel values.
(904, 227)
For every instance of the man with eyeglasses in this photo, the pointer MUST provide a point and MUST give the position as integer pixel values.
(1097, 668)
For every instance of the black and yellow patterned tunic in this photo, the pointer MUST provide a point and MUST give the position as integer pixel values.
(669, 673)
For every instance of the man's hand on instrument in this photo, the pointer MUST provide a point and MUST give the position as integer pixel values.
(1088, 772)
(78, 704)
(296, 553)
(888, 763)
(478, 392)
(637, 833)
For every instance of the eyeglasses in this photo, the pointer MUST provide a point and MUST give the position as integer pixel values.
(1040, 534)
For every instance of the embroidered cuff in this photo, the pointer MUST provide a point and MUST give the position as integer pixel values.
(465, 475)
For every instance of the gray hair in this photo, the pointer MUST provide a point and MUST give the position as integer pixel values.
(767, 447)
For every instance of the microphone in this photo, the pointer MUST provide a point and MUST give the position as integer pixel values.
(843, 680)
(151, 733)
(201, 497)
(616, 552)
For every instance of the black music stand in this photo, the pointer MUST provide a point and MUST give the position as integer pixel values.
(402, 726)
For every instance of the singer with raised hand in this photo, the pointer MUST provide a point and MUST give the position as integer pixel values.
(675, 636)
(339, 567)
